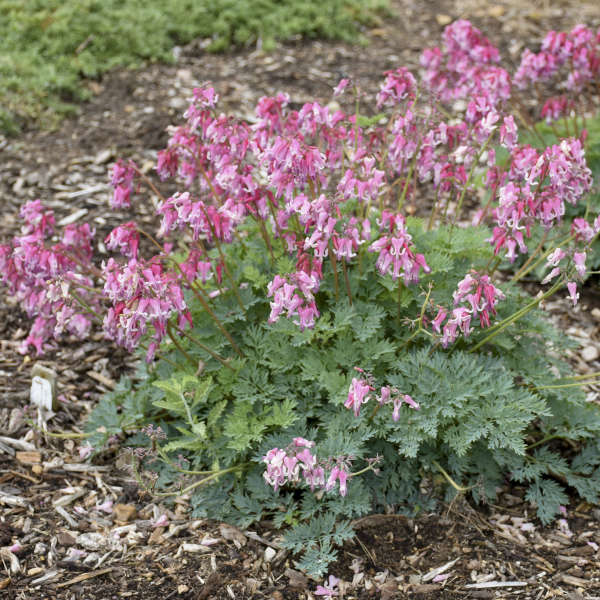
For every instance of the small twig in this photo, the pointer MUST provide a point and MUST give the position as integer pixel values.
(66, 516)
(435, 572)
(84, 468)
(105, 381)
(366, 551)
(24, 476)
(254, 536)
(18, 444)
(85, 576)
(13, 500)
(48, 576)
(88, 40)
(495, 584)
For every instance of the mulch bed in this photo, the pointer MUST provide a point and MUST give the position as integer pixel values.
(87, 531)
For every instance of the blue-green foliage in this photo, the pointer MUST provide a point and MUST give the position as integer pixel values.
(479, 411)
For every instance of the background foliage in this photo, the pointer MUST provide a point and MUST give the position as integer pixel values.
(47, 46)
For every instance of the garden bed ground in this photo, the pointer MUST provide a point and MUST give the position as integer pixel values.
(499, 551)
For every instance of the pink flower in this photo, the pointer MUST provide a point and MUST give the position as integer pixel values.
(122, 181)
(357, 395)
(385, 395)
(106, 506)
(303, 443)
(328, 590)
(125, 238)
(555, 257)
(296, 461)
(439, 319)
(398, 85)
(41, 276)
(398, 401)
(307, 315)
(195, 268)
(480, 295)
(582, 230)
(536, 190)
(162, 521)
(206, 96)
(534, 68)
(275, 475)
(460, 320)
(555, 108)
(464, 67)
(579, 260)
(37, 218)
(551, 275)
(573, 294)
(508, 133)
(411, 402)
(305, 456)
(337, 474)
(291, 164)
(143, 294)
(340, 87)
(287, 299)
(85, 451)
(314, 477)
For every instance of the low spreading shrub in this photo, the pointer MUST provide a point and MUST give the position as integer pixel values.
(311, 354)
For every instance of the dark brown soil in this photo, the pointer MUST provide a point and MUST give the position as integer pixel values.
(391, 556)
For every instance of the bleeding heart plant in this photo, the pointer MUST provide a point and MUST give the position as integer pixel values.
(287, 264)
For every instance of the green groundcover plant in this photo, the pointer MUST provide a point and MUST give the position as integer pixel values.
(47, 46)
(313, 355)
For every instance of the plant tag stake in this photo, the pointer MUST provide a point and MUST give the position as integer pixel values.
(41, 393)
(43, 388)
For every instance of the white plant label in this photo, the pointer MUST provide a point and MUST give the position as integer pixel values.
(41, 393)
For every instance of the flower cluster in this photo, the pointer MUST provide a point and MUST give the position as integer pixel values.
(535, 189)
(311, 178)
(181, 211)
(296, 462)
(571, 263)
(465, 66)
(295, 296)
(142, 293)
(398, 86)
(360, 393)
(557, 107)
(577, 51)
(396, 254)
(392, 395)
(475, 296)
(277, 172)
(124, 238)
(48, 279)
(123, 177)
